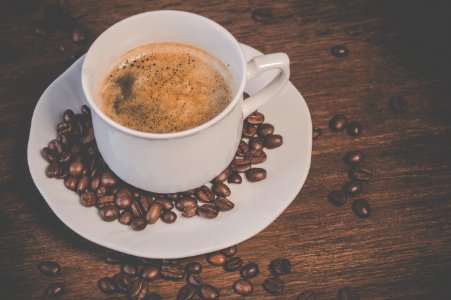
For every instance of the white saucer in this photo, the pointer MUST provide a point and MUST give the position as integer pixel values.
(256, 204)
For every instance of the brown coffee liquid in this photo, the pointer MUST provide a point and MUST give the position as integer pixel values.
(165, 87)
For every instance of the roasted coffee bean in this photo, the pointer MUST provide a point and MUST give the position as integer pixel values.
(235, 178)
(337, 198)
(65, 157)
(186, 292)
(184, 202)
(75, 150)
(241, 165)
(107, 285)
(55, 290)
(150, 272)
(249, 130)
(108, 179)
(49, 268)
(249, 270)
(338, 122)
(397, 105)
(88, 199)
(68, 115)
(190, 192)
(129, 269)
(85, 110)
(172, 271)
(307, 295)
(361, 208)
(221, 189)
(138, 290)
(352, 187)
(89, 137)
(138, 224)
(92, 150)
(136, 210)
(105, 200)
(76, 168)
(170, 261)
(83, 184)
(168, 216)
(113, 257)
(280, 266)
(316, 133)
(204, 194)
(52, 170)
(230, 251)
(123, 198)
(243, 147)
(243, 287)
(208, 292)
(64, 127)
(101, 191)
(78, 127)
(126, 217)
(233, 264)
(265, 129)
(353, 157)
(216, 258)
(256, 156)
(223, 204)
(49, 155)
(190, 211)
(154, 213)
(347, 293)
(256, 143)
(109, 213)
(56, 146)
(165, 202)
(208, 211)
(255, 174)
(71, 183)
(273, 285)
(153, 296)
(273, 141)
(223, 175)
(339, 51)
(63, 172)
(360, 174)
(94, 169)
(173, 196)
(193, 268)
(64, 139)
(145, 202)
(255, 118)
(123, 282)
(354, 128)
(194, 279)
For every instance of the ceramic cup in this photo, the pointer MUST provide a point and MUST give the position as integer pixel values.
(179, 161)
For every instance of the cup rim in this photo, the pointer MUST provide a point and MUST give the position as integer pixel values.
(169, 135)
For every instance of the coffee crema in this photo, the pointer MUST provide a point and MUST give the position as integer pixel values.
(165, 87)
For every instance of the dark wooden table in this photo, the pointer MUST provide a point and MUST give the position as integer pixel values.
(403, 251)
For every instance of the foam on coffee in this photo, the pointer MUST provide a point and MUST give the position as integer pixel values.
(165, 87)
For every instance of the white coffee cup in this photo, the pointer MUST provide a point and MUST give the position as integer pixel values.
(179, 161)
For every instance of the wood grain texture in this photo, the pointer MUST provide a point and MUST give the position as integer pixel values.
(403, 251)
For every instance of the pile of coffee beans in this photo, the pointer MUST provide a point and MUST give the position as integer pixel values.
(52, 269)
(74, 157)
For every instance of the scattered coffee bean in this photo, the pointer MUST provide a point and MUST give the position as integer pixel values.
(360, 174)
(361, 208)
(190, 211)
(108, 179)
(265, 129)
(186, 292)
(49, 155)
(193, 268)
(249, 130)
(168, 216)
(221, 189)
(241, 165)
(243, 287)
(235, 178)
(316, 132)
(88, 199)
(307, 295)
(52, 170)
(153, 296)
(129, 269)
(249, 270)
(256, 156)
(55, 290)
(204, 194)
(71, 183)
(154, 213)
(273, 141)
(56, 146)
(83, 184)
(347, 293)
(243, 148)
(352, 187)
(397, 105)
(150, 272)
(223, 204)
(49, 268)
(185, 201)
(113, 257)
(353, 157)
(123, 282)
(172, 271)
(354, 128)
(233, 264)
(273, 285)
(68, 115)
(339, 51)
(223, 175)
(255, 118)
(216, 258)
(101, 191)
(208, 211)
(107, 285)
(139, 224)
(105, 200)
(194, 279)
(208, 292)
(255, 174)
(123, 198)
(136, 210)
(230, 251)
(88, 138)
(280, 266)
(126, 217)
(138, 290)
(166, 203)
(85, 110)
(65, 157)
(256, 143)
(76, 168)
(338, 122)
(337, 198)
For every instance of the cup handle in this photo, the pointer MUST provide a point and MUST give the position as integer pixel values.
(258, 65)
